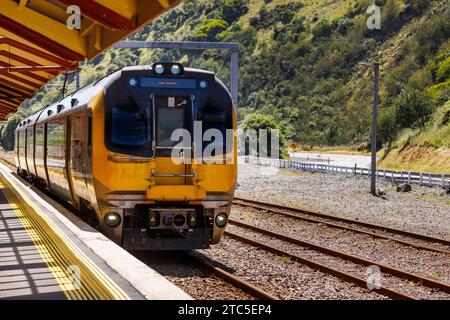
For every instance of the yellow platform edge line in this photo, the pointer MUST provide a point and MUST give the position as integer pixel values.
(52, 266)
(102, 278)
(55, 250)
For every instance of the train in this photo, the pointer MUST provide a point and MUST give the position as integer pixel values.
(108, 149)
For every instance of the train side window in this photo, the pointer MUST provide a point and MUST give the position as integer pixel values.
(30, 142)
(22, 141)
(55, 140)
(216, 119)
(39, 141)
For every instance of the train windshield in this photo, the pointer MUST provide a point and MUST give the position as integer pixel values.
(129, 127)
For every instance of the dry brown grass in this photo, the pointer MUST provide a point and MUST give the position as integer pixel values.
(423, 157)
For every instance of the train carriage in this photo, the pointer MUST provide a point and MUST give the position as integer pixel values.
(109, 149)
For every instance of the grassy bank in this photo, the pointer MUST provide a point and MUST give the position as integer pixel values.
(423, 157)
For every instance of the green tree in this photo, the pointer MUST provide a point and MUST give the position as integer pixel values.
(390, 13)
(209, 30)
(257, 121)
(231, 10)
(8, 131)
(321, 30)
(413, 108)
(387, 125)
(418, 5)
(443, 72)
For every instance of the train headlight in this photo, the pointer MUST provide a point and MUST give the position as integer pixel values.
(112, 219)
(175, 69)
(159, 69)
(221, 220)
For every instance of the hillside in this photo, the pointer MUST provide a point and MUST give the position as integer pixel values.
(300, 68)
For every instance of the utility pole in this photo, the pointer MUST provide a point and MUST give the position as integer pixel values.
(376, 71)
(373, 177)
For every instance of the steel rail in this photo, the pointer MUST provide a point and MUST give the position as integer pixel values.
(234, 280)
(341, 254)
(274, 208)
(345, 276)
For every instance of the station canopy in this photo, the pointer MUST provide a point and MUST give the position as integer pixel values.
(36, 43)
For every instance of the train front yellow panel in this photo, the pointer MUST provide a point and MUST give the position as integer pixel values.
(188, 203)
(125, 151)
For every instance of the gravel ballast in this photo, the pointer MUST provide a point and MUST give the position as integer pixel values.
(282, 277)
(396, 283)
(426, 263)
(198, 282)
(424, 210)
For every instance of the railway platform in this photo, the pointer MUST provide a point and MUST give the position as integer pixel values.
(46, 252)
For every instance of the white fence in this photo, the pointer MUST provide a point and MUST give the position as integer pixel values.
(422, 178)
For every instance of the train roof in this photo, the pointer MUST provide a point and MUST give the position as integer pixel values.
(81, 98)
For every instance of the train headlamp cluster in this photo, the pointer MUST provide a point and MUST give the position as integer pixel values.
(168, 219)
(168, 68)
(112, 219)
(173, 219)
(221, 220)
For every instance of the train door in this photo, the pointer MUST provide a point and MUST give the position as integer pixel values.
(22, 146)
(79, 155)
(17, 146)
(68, 152)
(46, 153)
(171, 113)
(30, 151)
(40, 152)
(57, 159)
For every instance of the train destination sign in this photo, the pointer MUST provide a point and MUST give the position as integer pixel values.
(172, 83)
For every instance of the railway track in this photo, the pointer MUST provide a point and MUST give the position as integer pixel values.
(431, 283)
(234, 280)
(377, 231)
(345, 276)
(202, 277)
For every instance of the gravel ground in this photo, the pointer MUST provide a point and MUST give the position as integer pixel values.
(424, 210)
(281, 277)
(401, 285)
(423, 262)
(181, 270)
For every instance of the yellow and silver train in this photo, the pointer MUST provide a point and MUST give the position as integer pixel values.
(108, 150)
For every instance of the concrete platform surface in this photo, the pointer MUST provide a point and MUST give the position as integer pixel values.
(46, 252)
